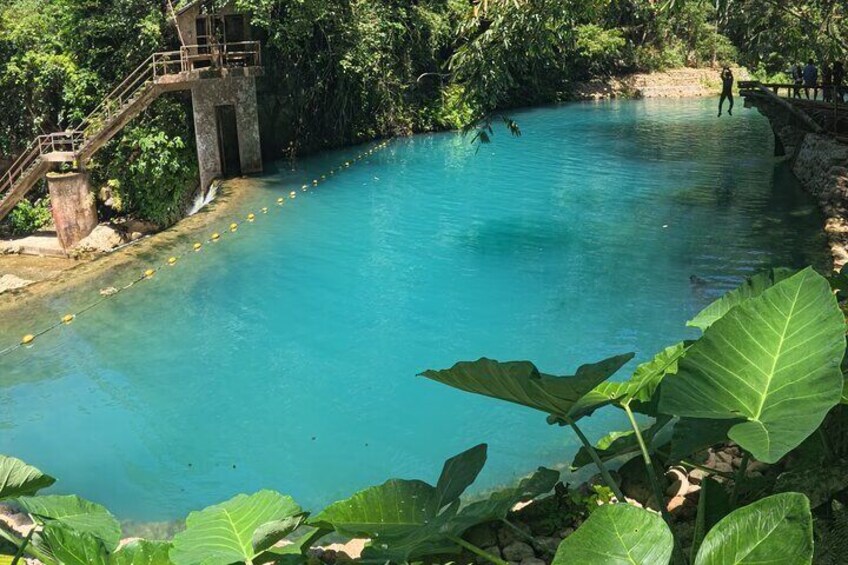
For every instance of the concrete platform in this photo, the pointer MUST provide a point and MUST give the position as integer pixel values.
(40, 244)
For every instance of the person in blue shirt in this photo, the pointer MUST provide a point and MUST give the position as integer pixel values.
(726, 90)
(811, 77)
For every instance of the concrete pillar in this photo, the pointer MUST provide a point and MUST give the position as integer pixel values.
(239, 92)
(74, 210)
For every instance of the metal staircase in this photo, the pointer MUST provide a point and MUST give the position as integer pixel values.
(161, 72)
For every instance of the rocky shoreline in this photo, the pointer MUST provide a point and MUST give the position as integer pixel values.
(821, 165)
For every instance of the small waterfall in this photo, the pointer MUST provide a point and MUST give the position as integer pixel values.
(203, 199)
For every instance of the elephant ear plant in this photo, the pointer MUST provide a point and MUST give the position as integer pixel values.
(764, 374)
(407, 520)
(776, 530)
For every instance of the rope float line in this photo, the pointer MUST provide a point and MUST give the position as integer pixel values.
(28, 340)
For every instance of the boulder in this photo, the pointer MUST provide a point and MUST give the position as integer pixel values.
(518, 551)
(12, 282)
(103, 239)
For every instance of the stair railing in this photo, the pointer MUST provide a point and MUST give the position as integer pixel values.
(25, 160)
(112, 104)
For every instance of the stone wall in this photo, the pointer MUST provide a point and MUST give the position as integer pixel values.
(821, 164)
(675, 83)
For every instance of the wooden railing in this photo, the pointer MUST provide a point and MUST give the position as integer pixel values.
(824, 116)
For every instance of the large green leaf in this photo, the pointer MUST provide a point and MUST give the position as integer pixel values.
(19, 479)
(772, 360)
(691, 435)
(777, 530)
(142, 552)
(498, 504)
(75, 513)
(406, 518)
(638, 390)
(269, 534)
(409, 519)
(618, 534)
(74, 547)
(224, 533)
(522, 383)
(751, 288)
(459, 473)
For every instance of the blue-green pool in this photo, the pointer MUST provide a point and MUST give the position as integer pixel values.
(285, 356)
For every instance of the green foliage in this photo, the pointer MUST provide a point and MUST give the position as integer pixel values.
(74, 513)
(28, 217)
(150, 166)
(618, 533)
(410, 519)
(241, 529)
(777, 529)
(522, 383)
(19, 479)
(755, 362)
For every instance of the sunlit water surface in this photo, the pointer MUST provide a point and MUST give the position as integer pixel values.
(285, 356)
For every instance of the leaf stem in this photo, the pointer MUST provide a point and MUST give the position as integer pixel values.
(518, 530)
(739, 479)
(652, 478)
(826, 446)
(596, 459)
(477, 551)
(20, 552)
(17, 542)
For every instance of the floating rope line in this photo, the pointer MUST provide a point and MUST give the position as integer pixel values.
(29, 340)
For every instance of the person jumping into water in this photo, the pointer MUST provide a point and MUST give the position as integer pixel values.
(726, 90)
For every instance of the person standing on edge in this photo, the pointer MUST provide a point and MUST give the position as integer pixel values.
(726, 90)
(827, 82)
(811, 78)
(838, 81)
(798, 79)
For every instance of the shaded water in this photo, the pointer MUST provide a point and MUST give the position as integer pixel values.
(285, 356)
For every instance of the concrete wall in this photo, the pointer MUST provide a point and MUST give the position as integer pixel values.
(73, 207)
(239, 92)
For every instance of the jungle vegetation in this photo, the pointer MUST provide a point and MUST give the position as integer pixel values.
(766, 374)
(339, 72)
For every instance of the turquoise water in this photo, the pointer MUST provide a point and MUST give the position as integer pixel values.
(285, 356)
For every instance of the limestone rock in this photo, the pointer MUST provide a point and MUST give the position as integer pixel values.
(547, 545)
(12, 282)
(103, 239)
(532, 561)
(518, 551)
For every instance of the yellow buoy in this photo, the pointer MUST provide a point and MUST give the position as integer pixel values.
(293, 194)
(149, 273)
(68, 319)
(347, 163)
(27, 339)
(332, 171)
(280, 201)
(216, 236)
(251, 217)
(172, 261)
(197, 246)
(233, 227)
(315, 182)
(323, 177)
(264, 209)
